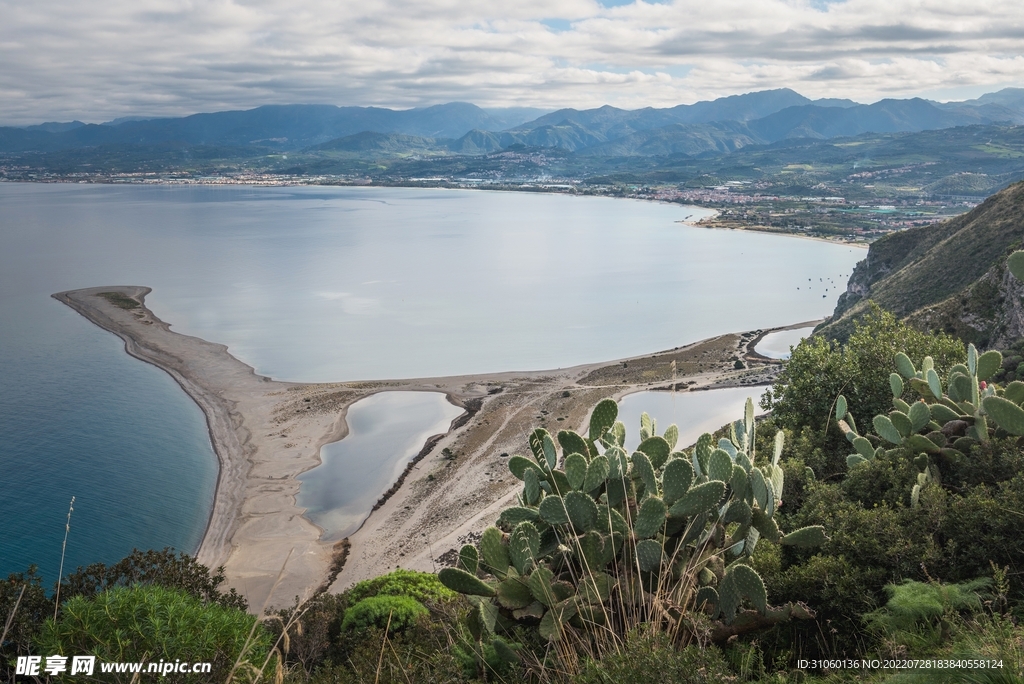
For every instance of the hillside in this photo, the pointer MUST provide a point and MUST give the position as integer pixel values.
(950, 276)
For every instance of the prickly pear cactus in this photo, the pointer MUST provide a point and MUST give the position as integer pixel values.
(944, 421)
(599, 535)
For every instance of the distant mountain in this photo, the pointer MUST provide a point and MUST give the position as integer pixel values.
(281, 127)
(689, 139)
(717, 126)
(951, 276)
(385, 143)
(55, 126)
(610, 123)
(886, 116)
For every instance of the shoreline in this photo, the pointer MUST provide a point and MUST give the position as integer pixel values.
(266, 432)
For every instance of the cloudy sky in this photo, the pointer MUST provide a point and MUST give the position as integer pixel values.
(95, 61)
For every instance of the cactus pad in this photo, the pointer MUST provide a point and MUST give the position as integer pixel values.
(671, 436)
(901, 422)
(573, 443)
(1004, 412)
(597, 473)
(575, 470)
(886, 430)
(552, 510)
(740, 482)
(698, 500)
(905, 366)
(643, 469)
(919, 416)
(510, 517)
(657, 449)
(676, 479)
(581, 510)
(602, 418)
(493, 552)
(650, 518)
(720, 466)
(461, 581)
(513, 594)
(805, 537)
(988, 364)
(1015, 392)
(524, 546)
(896, 385)
(840, 407)
(469, 559)
(750, 586)
(649, 555)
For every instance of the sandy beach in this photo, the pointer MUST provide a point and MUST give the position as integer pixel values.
(266, 432)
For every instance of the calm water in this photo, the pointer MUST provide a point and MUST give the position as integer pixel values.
(694, 413)
(777, 345)
(322, 284)
(386, 431)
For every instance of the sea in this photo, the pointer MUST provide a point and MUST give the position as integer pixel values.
(326, 284)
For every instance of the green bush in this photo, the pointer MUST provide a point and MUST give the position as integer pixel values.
(422, 586)
(918, 614)
(651, 659)
(393, 613)
(149, 623)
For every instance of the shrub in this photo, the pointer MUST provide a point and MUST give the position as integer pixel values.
(164, 568)
(393, 613)
(148, 623)
(422, 586)
(650, 658)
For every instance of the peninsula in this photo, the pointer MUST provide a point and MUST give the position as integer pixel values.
(267, 432)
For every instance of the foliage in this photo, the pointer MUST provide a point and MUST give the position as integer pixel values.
(163, 568)
(818, 371)
(147, 623)
(23, 608)
(601, 543)
(393, 613)
(919, 613)
(941, 428)
(650, 658)
(422, 586)
(423, 653)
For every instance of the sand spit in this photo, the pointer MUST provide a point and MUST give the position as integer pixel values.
(266, 433)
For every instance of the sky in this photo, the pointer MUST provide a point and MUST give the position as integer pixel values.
(94, 61)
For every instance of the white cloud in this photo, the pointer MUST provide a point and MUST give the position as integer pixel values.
(65, 59)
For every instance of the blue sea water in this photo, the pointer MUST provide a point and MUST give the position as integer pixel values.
(323, 284)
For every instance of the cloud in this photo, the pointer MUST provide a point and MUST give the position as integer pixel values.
(66, 59)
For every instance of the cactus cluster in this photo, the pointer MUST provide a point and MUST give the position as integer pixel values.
(945, 419)
(599, 535)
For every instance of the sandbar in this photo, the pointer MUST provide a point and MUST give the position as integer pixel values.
(267, 432)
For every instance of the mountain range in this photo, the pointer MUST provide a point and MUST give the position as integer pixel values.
(711, 127)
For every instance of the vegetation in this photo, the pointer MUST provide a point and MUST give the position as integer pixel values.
(153, 623)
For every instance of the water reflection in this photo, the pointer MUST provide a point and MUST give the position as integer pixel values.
(694, 412)
(386, 431)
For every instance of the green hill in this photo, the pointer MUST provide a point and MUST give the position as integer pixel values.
(950, 276)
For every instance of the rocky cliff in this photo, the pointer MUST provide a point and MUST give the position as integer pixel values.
(950, 276)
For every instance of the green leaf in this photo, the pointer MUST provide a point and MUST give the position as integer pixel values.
(1015, 263)
(657, 449)
(896, 384)
(988, 364)
(1005, 413)
(602, 418)
(461, 581)
(886, 430)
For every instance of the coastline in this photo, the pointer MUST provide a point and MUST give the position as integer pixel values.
(267, 432)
